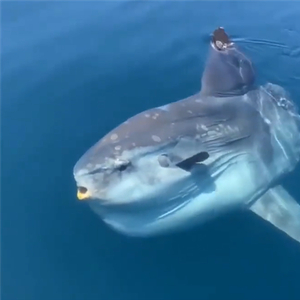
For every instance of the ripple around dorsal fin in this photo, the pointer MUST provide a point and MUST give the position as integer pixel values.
(260, 42)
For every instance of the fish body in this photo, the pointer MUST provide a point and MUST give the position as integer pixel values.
(225, 148)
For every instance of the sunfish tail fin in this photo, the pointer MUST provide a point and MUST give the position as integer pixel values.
(279, 208)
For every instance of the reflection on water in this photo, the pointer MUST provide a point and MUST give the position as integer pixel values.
(73, 71)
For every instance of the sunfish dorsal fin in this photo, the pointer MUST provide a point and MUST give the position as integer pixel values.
(279, 208)
(228, 72)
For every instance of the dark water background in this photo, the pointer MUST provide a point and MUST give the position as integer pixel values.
(70, 72)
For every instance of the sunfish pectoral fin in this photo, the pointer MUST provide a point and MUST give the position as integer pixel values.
(228, 71)
(279, 208)
(188, 163)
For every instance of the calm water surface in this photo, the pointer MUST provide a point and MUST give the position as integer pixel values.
(71, 71)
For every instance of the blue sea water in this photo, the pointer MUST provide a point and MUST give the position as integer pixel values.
(70, 72)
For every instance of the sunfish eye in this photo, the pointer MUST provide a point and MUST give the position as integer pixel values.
(121, 165)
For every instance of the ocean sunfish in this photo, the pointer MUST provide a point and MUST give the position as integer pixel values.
(225, 148)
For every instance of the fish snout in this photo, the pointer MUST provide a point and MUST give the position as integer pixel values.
(85, 186)
(90, 186)
(83, 193)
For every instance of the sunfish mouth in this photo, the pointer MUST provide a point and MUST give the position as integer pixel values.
(83, 193)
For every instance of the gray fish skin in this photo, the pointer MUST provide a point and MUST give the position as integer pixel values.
(251, 134)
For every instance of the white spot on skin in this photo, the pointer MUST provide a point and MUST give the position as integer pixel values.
(267, 121)
(204, 127)
(133, 144)
(156, 138)
(118, 148)
(236, 129)
(147, 115)
(198, 100)
(114, 136)
(155, 116)
(189, 111)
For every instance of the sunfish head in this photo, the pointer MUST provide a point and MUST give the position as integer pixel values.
(129, 181)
